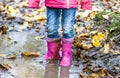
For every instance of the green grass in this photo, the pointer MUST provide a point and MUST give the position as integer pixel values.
(113, 26)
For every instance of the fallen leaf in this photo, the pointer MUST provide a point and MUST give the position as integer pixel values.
(97, 39)
(31, 54)
(82, 75)
(87, 46)
(101, 36)
(105, 16)
(2, 55)
(85, 35)
(103, 72)
(11, 56)
(11, 8)
(41, 18)
(3, 29)
(79, 44)
(116, 67)
(93, 32)
(95, 75)
(96, 43)
(115, 52)
(106, 48)
(5, 66)
(39, 37)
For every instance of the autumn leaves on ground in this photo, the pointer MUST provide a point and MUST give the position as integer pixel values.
(97, 34)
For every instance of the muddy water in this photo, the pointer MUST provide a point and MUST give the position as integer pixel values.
(30, 67)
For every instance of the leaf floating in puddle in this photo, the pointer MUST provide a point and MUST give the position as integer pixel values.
(3, 29)
(36, 54)
(5, 66)
(11, 56)
(2, 55)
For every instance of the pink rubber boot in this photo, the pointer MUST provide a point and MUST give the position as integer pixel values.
(53, 48)
(66, 52)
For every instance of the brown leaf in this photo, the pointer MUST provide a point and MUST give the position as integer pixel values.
(82, 75)
(87, 46)
(3, 29)
(11, 56)
(5, 66)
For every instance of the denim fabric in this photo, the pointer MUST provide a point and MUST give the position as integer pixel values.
(52, 25)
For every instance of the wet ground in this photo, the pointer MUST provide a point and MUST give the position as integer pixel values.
(24, 36)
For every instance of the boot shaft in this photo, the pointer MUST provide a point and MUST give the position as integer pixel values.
(53, 46)
(67, 45)
(66, 52)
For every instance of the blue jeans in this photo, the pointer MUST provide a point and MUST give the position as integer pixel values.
(52, 25)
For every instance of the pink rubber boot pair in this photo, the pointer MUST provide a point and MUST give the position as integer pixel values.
(54, 47)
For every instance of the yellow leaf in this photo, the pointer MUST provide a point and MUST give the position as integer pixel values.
(96, 43)
(95, 37)
(85, 35)
(101, 36)
(31, 54)
(11, 9)
(41, 18)
(92, 15)
(2, 55)
(78, 44)
(95, 75)
(103, 72)
(106, 48)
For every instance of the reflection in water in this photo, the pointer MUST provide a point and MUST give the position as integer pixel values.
(64, 72)
(52, 70)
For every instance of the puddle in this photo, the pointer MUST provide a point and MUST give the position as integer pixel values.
(27, 67)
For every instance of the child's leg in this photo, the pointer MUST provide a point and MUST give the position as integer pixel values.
(52, 24)
(53, 39)
(68, 17)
